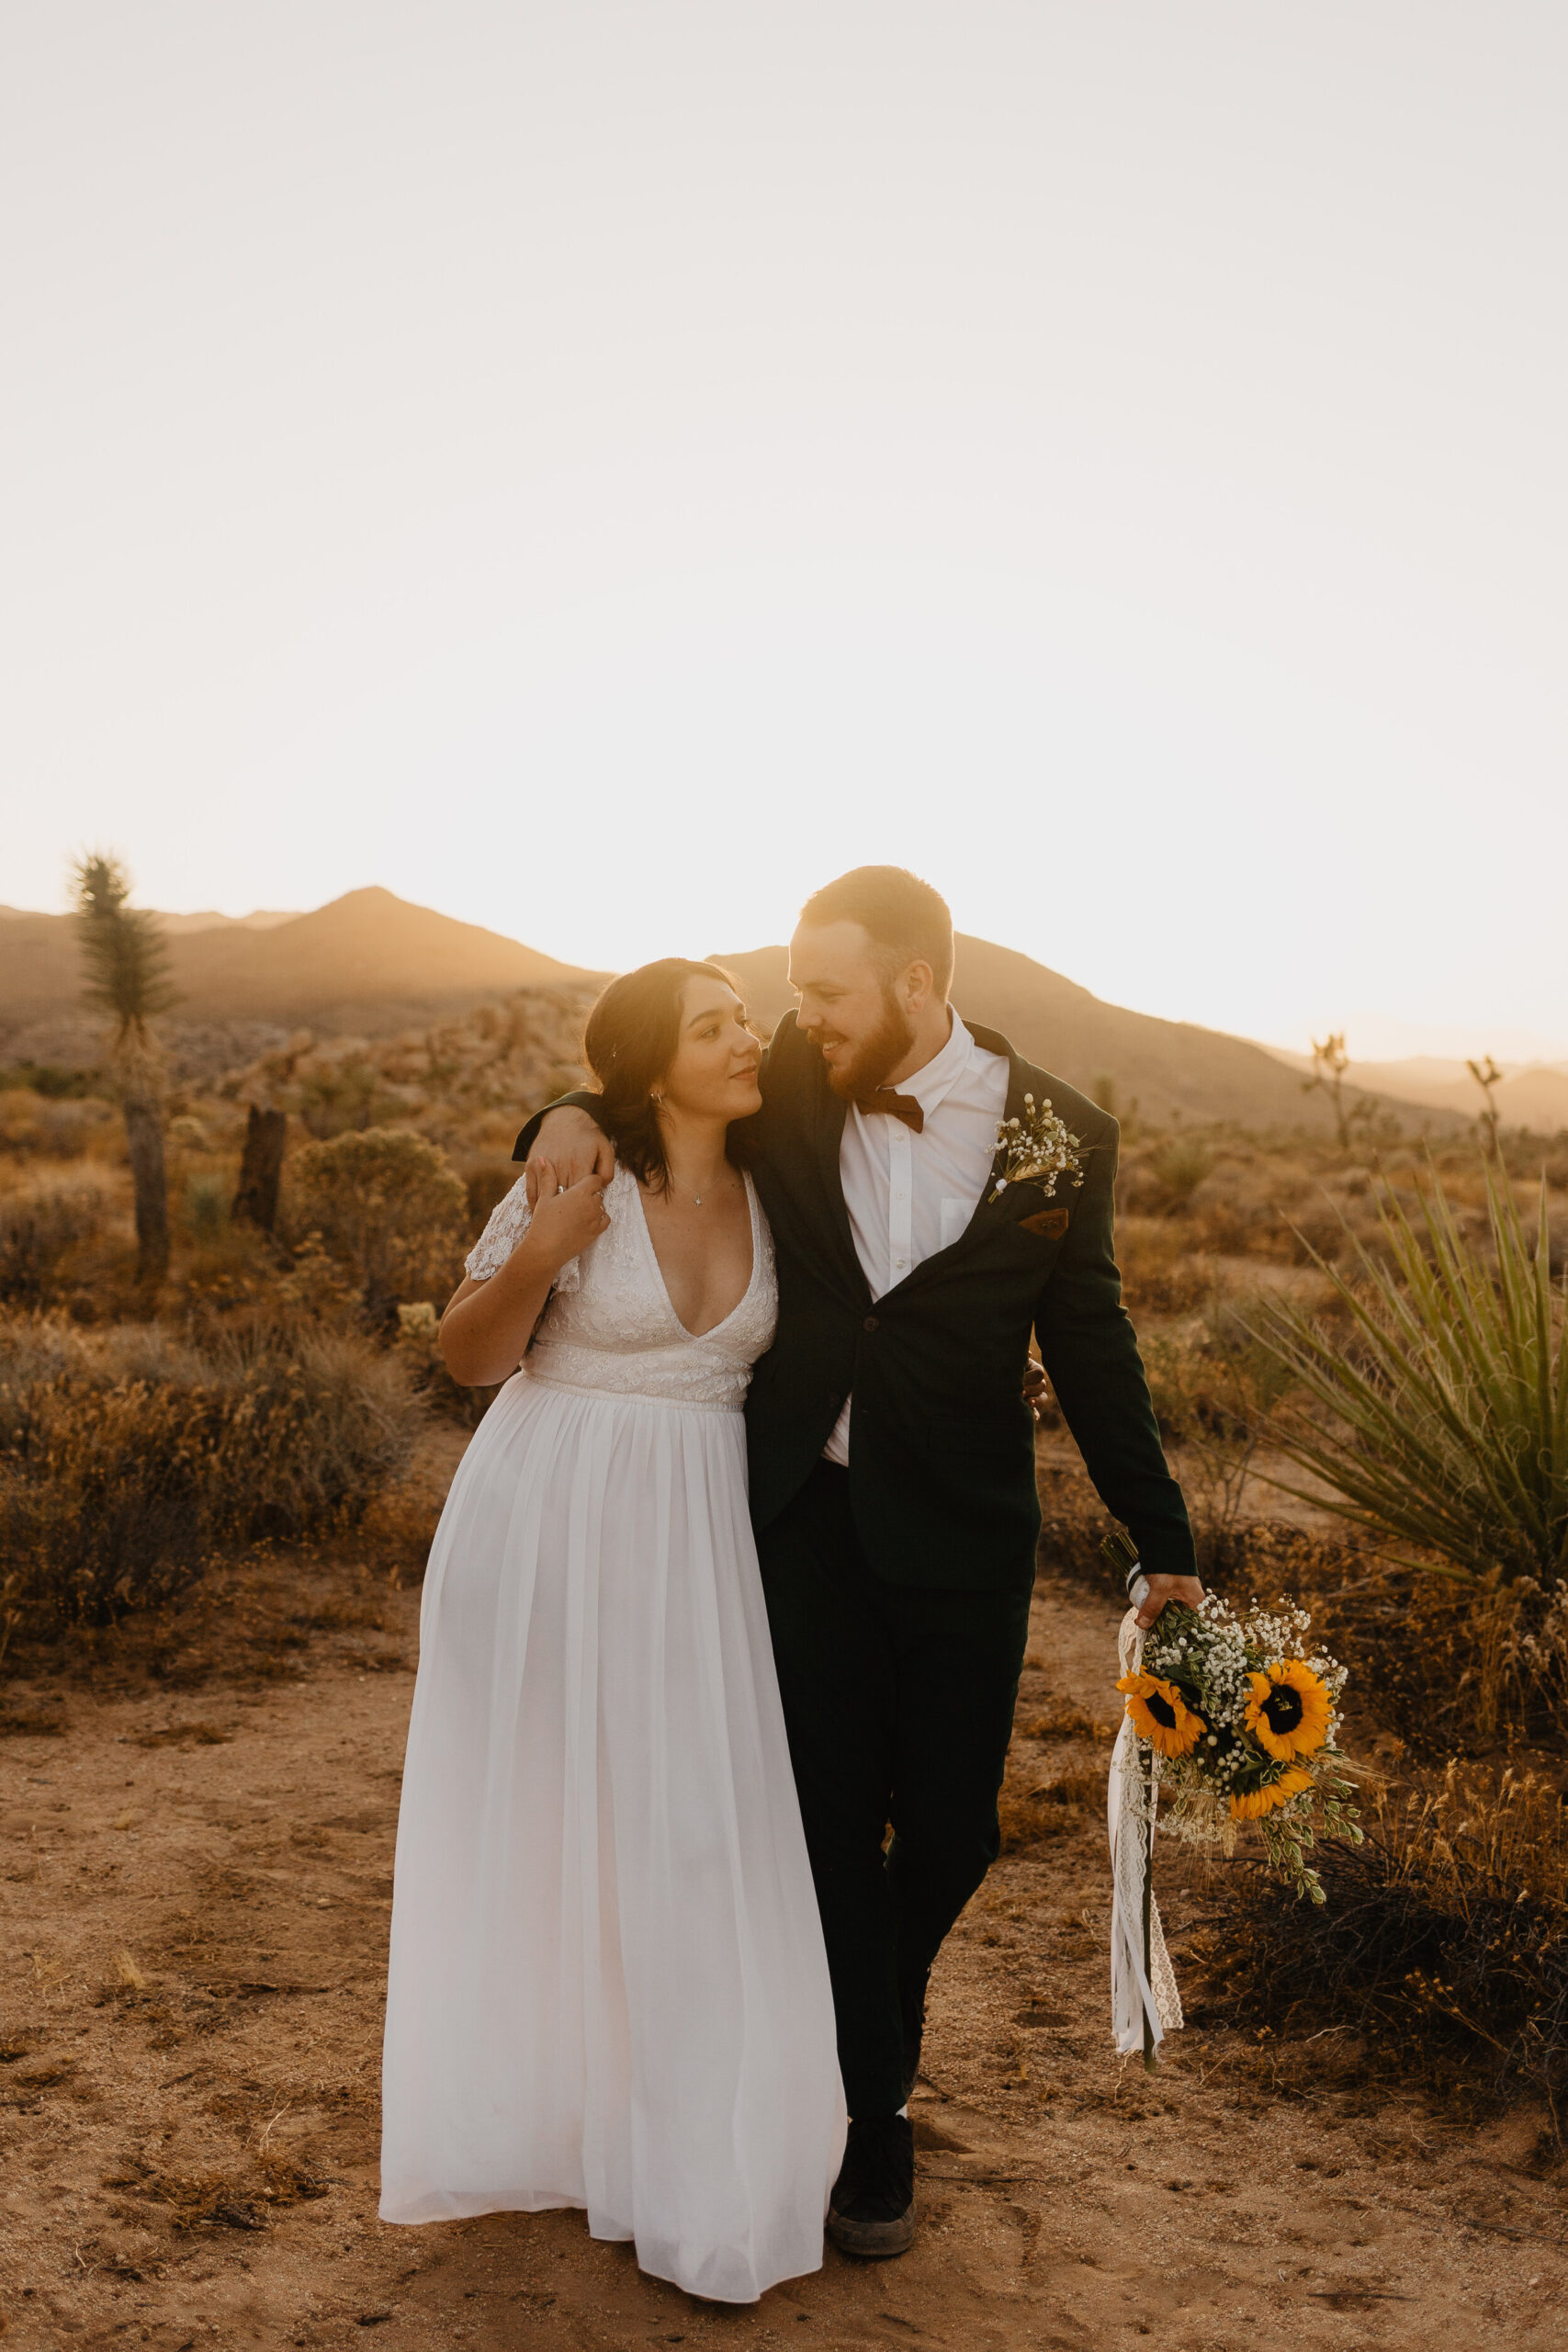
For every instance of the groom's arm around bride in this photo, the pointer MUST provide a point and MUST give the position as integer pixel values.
(943, 1459)
(891, 1461)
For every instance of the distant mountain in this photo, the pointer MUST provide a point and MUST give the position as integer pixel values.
(368, 963)
(1165, 1066)
(264, 918)
(371, 965)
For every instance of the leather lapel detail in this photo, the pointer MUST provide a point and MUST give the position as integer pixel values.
(1049, 1223)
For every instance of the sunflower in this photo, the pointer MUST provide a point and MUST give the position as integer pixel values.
(1254, 1803)
(1288, 1712)
(1159, 1713)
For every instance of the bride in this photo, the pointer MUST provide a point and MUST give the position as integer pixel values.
(607, 1983)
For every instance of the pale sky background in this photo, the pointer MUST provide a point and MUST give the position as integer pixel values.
(600, 469)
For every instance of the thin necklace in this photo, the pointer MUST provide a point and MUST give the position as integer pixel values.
(696, 1197)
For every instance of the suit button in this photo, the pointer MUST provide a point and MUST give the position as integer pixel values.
(870, 1323)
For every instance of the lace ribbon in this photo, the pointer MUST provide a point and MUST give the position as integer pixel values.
(1131, 1803)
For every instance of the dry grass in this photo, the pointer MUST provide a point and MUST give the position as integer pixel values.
(127, 1457)
(49, 1229)
(1442, 1954)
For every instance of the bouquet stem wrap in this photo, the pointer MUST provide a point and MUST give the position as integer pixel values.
(1144, 2002)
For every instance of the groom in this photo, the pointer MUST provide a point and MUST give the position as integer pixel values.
(892, 1464)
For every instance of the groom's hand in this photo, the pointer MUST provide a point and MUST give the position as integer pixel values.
(1187, 1590)
(572, 1146)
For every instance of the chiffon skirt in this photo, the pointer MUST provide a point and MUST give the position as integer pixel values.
(607, 1985)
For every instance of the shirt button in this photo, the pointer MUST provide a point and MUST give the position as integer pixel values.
(870, 1324)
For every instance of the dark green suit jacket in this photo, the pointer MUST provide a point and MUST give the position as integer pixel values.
(941, 1454)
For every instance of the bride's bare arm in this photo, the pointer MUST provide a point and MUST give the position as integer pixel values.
(487, 1325)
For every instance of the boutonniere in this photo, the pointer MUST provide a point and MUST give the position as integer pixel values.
(1035, 1149)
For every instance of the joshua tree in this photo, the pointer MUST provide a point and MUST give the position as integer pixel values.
(127, 977)
(1488, 1075)
(1329, 1063)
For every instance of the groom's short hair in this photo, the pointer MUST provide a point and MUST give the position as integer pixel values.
(906, 918)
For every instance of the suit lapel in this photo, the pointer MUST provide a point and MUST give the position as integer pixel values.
(1010, 1205)
(829, 1115)
(803, 1137)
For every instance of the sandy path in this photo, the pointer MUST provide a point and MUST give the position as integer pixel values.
(190, 2158)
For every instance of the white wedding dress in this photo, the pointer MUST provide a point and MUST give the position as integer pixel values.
(608, 1984)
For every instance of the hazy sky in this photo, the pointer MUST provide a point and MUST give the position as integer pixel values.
(600, 469)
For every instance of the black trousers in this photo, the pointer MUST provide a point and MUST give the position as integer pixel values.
(900, 1704)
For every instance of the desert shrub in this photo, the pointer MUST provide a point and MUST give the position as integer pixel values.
(1160, 1273)
(1443, 1420)
(205, 1211)
(1074, 1524)
(487, 1185)
(46, 1126)
(40, 1229)
(1214, 1384)
(52, 1080)
(418, 1348)
(344, 1098)
(1162, 1181)
(387, 1204)
(311, 1432)
(125, 1456)
(1441, 1953)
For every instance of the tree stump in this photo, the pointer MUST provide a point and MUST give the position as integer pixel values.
(260, 1169)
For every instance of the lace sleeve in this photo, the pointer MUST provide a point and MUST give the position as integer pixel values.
(509, 1221)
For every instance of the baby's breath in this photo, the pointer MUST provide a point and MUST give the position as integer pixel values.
(1035, 1149)
(1210, 1655)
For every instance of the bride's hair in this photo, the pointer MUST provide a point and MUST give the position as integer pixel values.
(629, 1043)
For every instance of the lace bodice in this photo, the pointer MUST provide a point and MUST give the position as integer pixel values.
(610, 1325)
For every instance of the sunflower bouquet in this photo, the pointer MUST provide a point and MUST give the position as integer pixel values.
(1243, 1715)
(1234, 1718)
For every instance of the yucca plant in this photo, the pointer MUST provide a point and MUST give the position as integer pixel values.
(1444, 1422)
(126, 977)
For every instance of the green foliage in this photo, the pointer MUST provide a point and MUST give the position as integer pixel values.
(1178, 1166)
(346, 1098)
(389, 1205)
(51, 1081)
(126, 960)
(126, 1457)
(1442, 1417)
(207, 1205)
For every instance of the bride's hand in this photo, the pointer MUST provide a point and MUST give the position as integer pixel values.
(572, 1146)
(566, 1218)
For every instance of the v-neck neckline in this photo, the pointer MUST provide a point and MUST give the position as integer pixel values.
(712, 1329)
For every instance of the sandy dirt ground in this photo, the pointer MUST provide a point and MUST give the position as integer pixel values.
(197, 1885)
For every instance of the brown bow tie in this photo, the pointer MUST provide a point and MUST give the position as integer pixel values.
(896, 1106)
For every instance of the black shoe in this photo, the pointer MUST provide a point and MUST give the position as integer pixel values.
(872, 2211)
(912, 2001)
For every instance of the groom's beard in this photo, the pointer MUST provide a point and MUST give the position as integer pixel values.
(866, 1068)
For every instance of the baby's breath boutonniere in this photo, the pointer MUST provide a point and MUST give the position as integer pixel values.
(1035, 1149)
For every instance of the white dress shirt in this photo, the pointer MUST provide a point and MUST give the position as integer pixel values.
(909, 1195)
